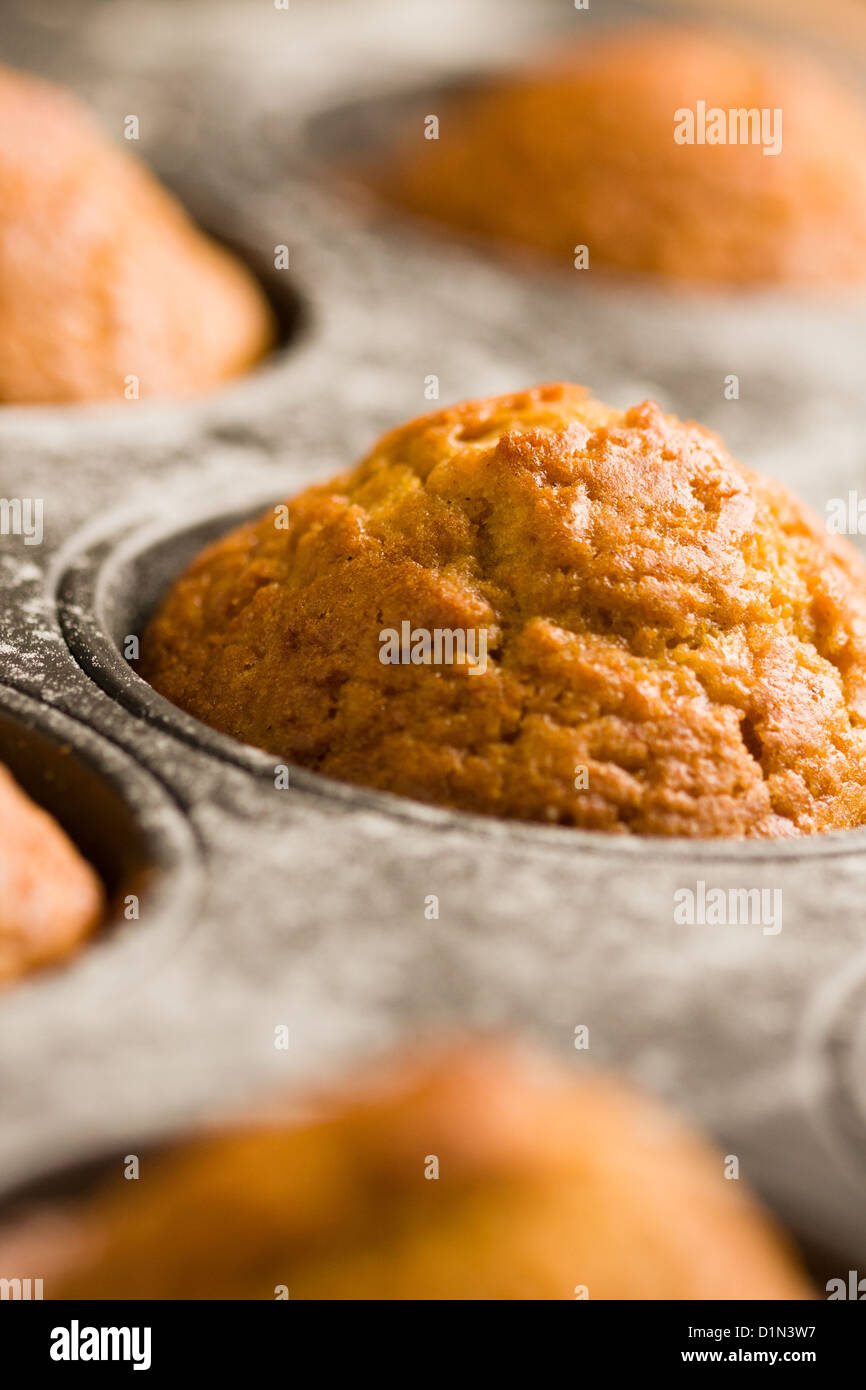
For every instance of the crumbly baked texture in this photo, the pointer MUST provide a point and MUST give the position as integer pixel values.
(50, 898)
(545, 1183)
(579, 150)
(102, 274)
(675, 646)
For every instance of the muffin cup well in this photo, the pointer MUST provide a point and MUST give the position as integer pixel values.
(59, 1188)
(120, 820)
(110, 591)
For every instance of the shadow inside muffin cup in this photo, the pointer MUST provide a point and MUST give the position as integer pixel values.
(228, 222)
(353, 136)
(107, 596)
(114, 813)
(76, 1181)
(291, 309)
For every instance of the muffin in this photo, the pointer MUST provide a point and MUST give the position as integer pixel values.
(671, 645)
(50, 899)
(580, 150)
(473, 1174)
(102, 276)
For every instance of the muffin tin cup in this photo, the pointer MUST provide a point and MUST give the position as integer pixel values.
(59, 1191)
(109, 592)
(124, 824)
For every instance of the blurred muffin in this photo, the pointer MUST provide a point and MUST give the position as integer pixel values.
(102, 275)
(50, 899)
(580, 151)
(672, 646)
(546, 1185)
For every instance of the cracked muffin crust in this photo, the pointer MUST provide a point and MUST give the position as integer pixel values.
(579, 150)
(102, 275)
(50, 898)
(545, 1184)
(675, 646)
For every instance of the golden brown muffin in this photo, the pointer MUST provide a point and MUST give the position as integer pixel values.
(674, 645)
(546, 1185)
(50, 899)
(102, 275)
(580, 151)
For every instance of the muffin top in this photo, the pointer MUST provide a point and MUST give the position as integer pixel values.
(671, 645)
(580, 150)
(50, 898)
(102, 275)
(471, 1173)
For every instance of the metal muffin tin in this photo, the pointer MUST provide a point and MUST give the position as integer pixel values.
(305, 906)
